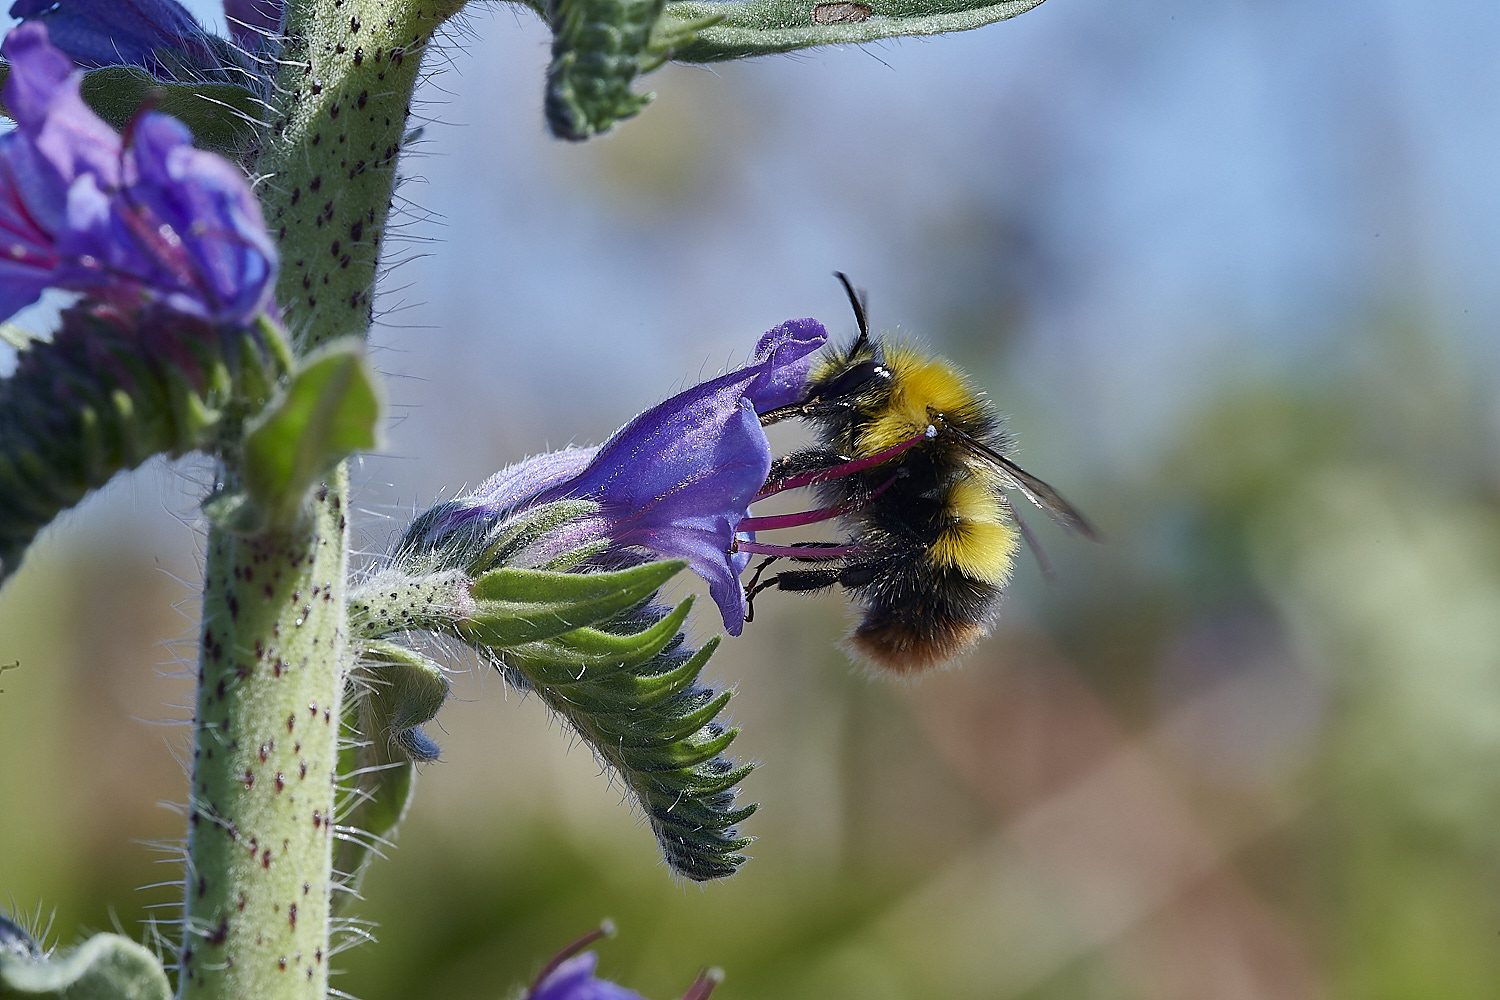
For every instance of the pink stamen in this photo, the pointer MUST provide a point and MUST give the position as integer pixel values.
(703, 985)
(797, 551)
(605, 929)
(800, 518)
(846, 469)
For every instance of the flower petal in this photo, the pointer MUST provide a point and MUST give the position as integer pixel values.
(784, 357)
(208, 204)
(42, 95)
(675, 481)
(32, 200)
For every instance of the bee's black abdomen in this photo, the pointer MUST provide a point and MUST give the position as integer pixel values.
(919, 615)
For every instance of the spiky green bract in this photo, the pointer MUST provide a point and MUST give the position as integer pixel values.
(761, 27)
(105, 967)
(596, 53)
(630, 688)
(112, 389)
(592, 646)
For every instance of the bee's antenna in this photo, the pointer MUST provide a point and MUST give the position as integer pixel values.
(857, 300)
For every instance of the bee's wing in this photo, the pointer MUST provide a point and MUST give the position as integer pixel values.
(1038, 492)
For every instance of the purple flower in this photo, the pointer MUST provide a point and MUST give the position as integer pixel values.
(574, 980)
(158, 35)
(154, 219)
(675, 481)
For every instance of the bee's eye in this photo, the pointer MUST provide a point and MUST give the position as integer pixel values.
(854, 379)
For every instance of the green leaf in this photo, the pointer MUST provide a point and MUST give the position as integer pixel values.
(392, 691)
(650, 720)
(762, 27)
(328, 411)
(105, 967)
(404, 690)
(222, 116)
(518, 606)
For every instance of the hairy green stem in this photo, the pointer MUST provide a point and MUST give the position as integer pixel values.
(266, 746)
(274, 645)
(343, 99)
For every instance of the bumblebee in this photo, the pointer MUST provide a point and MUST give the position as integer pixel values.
(913, 462)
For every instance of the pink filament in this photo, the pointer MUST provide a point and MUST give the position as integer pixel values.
(846, 469)
(802, 517)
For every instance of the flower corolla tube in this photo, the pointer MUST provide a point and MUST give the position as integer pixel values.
(151, 219)
(674, 482)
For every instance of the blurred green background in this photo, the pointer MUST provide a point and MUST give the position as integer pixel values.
(1229, 268)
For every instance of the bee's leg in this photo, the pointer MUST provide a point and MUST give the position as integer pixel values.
(802, 579)
(754, 587)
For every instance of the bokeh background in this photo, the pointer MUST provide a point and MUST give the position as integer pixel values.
(1229, 266)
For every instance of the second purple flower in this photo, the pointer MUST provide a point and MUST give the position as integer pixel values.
(148, 219)
(675, 482)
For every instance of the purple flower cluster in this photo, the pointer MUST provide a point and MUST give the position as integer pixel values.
(676, 481)
(147, 219)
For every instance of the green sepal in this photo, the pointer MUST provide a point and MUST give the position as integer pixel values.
(513, 607)
(478, 547)
(762, 27)
(223, 117)
(328, 411)
(105, 967)
(391, 692)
